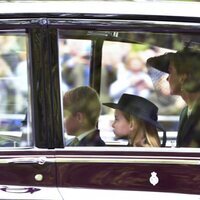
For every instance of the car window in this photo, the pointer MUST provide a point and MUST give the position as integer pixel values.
(122, 64)
(74, 59)
(15, 128)
(118, 49)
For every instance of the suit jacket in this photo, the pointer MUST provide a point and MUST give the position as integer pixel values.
(92, 139)
(189, 128)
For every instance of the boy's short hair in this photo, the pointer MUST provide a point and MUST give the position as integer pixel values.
(83, 99)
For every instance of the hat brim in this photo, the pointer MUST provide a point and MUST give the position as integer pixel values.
(154, 123)
(160, 62)
(112, 105)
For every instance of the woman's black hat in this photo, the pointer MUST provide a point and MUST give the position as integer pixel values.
(160, 62)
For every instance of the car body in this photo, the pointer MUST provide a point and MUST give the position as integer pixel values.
(34, 161)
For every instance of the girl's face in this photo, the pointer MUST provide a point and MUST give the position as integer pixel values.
(121, 126)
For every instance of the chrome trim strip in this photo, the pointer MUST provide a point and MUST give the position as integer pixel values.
(132, 149)
(27, 160)
(133, 161)
(105, 159)
(114, 24)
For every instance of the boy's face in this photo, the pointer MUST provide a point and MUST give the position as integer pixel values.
(71, 122)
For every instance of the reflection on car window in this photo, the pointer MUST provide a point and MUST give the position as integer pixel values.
(14, 129)
(124, 70)
(74, 59)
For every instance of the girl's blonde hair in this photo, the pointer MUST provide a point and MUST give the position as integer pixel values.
(145, 133)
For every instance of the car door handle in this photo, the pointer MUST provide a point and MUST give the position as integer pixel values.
(40, 160)
(11, 189)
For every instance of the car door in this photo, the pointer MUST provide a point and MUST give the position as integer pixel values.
(27, 166)
(34, 158)
(27, 174)
(141, 172)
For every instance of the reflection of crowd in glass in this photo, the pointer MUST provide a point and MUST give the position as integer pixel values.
(13, 74)
(132, 78)
(123, 71)
(75, 62)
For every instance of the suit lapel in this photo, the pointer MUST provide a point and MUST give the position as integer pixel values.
(182, 125)
(187, 127)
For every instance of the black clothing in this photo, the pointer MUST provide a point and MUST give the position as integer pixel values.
(92, 139)
(189, 128)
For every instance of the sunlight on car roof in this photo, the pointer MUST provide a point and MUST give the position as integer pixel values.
(118, 7)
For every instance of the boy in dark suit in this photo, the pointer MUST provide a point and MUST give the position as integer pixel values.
(82, 109)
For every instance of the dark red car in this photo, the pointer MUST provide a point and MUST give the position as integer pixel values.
(47, 48)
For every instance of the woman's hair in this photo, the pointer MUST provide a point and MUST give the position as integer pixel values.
(145, 133)
(83, 99)
(188, 63)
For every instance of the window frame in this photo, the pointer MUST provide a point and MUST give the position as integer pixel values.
(42, 32)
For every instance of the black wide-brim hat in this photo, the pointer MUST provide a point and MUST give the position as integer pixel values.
(138, 107)
(161, 62)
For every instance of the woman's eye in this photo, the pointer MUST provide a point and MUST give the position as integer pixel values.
(116, 119)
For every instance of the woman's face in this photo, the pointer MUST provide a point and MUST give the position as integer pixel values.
(121, 126)
(174, 81)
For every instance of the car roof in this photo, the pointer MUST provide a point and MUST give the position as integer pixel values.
(161, 8)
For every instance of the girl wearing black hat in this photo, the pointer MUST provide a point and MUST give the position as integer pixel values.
(136, 117)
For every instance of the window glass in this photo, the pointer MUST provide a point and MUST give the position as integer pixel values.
(124, 70)
(74, 60)
(14, 97)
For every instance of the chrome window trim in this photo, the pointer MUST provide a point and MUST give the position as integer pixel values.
(125, 25)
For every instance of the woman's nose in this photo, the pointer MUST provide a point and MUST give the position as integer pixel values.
(113, 124)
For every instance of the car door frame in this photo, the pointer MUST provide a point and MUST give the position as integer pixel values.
(117, 168)
(30, 172)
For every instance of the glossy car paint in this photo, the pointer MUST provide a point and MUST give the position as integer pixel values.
(28, 174)
(122, 172)
(129, 170)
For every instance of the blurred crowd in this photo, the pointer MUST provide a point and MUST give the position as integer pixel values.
(123, 71)
(13, 74)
